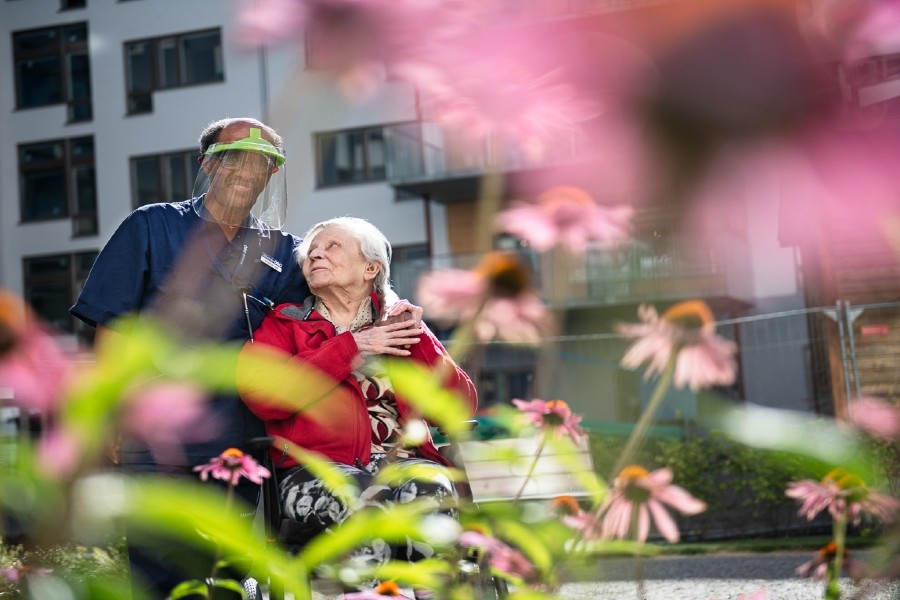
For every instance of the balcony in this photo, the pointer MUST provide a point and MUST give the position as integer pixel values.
(422, 159)
(628, 273)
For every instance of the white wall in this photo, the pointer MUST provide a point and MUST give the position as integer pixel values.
(300, 104)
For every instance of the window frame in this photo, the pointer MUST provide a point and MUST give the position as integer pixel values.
(140, 101)
(70, 164)
(389, 133)
(167, 193)
(71, 277)
(61, 52)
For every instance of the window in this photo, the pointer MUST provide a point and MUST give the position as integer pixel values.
(368, 154)
(52, 67)
(52, 284)
(170, 62)
(57, 182)
(163, 177)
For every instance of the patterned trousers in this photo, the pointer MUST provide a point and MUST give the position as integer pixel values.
(305, 499)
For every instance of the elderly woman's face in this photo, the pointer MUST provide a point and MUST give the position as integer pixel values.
(335, 261)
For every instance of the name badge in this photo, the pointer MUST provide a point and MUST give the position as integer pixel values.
(271, 262)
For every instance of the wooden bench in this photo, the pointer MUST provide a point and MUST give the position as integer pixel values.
(497, 469)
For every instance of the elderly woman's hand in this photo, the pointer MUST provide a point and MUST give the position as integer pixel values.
(404, 306)
(392, 338)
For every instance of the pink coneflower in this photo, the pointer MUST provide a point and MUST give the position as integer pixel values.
(686, 329)
(495, 297)
(634, 489)
(575, 517)
(876, 417)
(231, 465)
(841, 491)
(554, 416)
(500, 555)
(817, 567)
(566, 216)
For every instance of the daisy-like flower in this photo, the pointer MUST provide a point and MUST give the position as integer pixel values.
(817, 567)
(876, 417)
(496, 298)
(231, 465)
(686, 329)
(573, 516)
(566, 216)
(838, 491)
(386, 590)
(635, 489)
(554, 416)
(501, 556)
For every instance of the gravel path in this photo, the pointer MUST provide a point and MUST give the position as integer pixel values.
(712, 577)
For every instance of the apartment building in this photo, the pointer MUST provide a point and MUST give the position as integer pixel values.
(100, 113)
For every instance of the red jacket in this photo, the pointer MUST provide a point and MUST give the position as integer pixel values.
(342, 432)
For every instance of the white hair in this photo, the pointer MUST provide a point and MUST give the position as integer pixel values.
(373, 245)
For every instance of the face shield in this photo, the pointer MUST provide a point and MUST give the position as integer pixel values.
(242, 184)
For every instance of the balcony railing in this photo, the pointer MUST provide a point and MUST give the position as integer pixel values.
(637, 271)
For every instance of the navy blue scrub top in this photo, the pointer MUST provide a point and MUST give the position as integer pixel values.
(202, 299)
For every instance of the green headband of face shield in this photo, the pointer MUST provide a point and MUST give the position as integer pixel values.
(253, 143)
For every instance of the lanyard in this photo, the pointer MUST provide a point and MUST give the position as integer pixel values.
(243, 286)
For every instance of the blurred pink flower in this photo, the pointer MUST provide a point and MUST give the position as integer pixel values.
(688, 331)
(876, 417)
(760, 594)
(165, 416)
(838, 491)
(356, 41)
(231, 465)
(492, 81)
(634, 489)
(31, 362)
(18, 573)
(552, 415)
(501, 556)
(60, 452)
(817, 567)
(495, 297)
(566, 216)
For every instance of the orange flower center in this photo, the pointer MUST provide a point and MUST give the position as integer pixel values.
(565, 504)
(506, 274)
(233, 453)
(632, 472)
(626, 481)
(690, 315)
(564, 194)
(844, 479)
(388, 588)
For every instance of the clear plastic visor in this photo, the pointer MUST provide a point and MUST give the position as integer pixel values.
(242, 188)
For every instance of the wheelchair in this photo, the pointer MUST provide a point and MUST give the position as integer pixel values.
(293, 535)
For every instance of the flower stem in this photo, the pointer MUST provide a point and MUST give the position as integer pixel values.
(839, 529)
(215, 566)
(638, 557)
(640, 429)
(537, 456)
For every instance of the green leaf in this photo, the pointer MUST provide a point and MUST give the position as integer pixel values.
(394, 524)
(341, 485)
(429, 573)
(189, 588)
(421, 388)
(396, 474)
(821, 441)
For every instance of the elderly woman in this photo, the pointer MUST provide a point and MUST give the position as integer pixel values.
(346, 262)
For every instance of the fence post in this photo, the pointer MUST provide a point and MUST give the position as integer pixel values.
(850, 315)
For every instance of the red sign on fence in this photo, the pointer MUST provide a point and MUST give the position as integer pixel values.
(874, 329)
